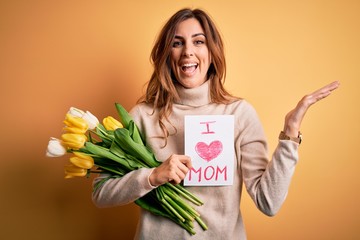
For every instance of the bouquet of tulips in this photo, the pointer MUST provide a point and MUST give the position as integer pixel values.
(116, 148)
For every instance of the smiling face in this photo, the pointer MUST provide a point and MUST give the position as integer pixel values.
(190, 58)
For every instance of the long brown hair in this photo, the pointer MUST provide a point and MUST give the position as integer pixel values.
(160, 90)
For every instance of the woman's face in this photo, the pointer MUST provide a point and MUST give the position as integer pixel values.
(190, 58)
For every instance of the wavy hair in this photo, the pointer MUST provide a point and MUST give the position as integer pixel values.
(161, 91)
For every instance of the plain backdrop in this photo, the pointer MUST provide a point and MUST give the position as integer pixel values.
(90, 54)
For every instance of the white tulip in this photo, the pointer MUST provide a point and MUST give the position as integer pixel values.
(91, 120)
(76, 112)
(55, 148)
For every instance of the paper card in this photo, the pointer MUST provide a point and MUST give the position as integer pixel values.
(209, 141)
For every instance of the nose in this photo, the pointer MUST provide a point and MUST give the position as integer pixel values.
(188, 50)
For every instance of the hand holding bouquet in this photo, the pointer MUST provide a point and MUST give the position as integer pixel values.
(117, 147)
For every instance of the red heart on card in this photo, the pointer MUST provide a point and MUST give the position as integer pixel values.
(209, 152)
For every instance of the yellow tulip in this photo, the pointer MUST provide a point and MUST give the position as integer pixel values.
(75, 122)
(74, 171)
(74, 130)
(74, 140)
(111, 123)
(91, 120)
(82, 160)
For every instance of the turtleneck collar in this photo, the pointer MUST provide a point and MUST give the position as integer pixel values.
(194, 97)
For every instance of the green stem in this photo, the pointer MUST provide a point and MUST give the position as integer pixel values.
(190, 223)
(185, 193)
(151, 203)
(180, 202)
(181, 211)
(160, 196)
(188, 227)
(201, 223)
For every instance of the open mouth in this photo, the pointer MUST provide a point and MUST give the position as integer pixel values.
(189, 67)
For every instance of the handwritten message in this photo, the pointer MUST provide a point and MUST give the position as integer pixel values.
(209, 141)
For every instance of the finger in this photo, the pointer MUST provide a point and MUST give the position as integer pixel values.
(330, 87)
(326, 90)
(334, 85)
(186, 160)
(180, 161)
(180, 173)
(319, 94)
(182, 169)
(175, 180)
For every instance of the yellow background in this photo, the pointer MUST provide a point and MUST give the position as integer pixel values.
(89, 54)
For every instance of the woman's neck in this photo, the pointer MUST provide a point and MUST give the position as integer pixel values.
(194, 97)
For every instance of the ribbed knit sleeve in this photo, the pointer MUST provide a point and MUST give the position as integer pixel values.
(267, 182)
(121, 191)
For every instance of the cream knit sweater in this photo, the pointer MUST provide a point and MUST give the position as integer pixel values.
(267, 182)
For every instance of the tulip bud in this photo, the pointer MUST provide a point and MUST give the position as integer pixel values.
(111, 123)
(82, 160)
(76, 122)
(74, 171)
(55, 148)
(76, 112)
(74, 130)
(91, 120)
(74, 140)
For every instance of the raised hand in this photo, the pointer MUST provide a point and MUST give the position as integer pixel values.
(294, 118)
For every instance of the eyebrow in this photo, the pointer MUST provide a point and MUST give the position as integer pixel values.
(194, 35)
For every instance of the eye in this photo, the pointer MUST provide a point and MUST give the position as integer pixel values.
(199, 42)
(177, 44)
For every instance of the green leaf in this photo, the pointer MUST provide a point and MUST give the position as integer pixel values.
(105, 153)
(139, 151)
(150, 203)
(105, 135)
(135, 133)
(132, 161)
(115, 149)
(124, 116)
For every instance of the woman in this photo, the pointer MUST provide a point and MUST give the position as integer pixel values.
(189, 69)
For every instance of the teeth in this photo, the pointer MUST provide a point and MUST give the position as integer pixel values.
(189, 65)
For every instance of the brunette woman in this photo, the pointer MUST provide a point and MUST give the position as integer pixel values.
(189, 71)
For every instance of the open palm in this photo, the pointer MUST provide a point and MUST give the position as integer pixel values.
(294, 118)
